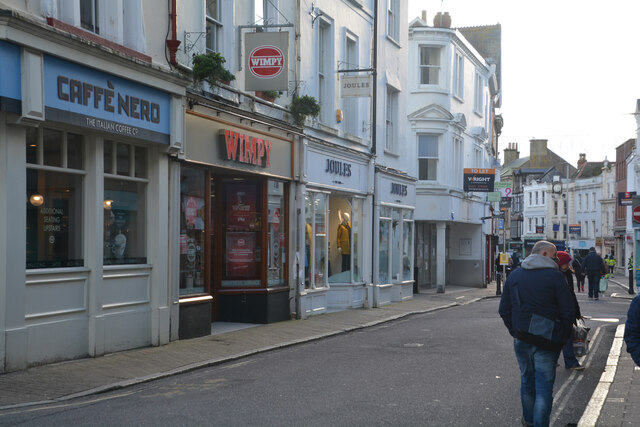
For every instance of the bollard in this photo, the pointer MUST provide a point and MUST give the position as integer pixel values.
(631, 292)
(498, 278)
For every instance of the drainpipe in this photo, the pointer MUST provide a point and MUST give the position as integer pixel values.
(374, 102)
(173, 42)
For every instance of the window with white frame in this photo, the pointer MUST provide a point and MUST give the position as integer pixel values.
(266, 11)
(477, 157)
(429, 65)
(478, 104)
(458, 75)
(458, 156)
(579, 202)
(325, 64)
(351, 104)
(593, 227)
(537, 200)
(586, 201)
(213, 26)
(393, 19)
(428, 157)
(593, 198)
(530, 225)
(89, 17)
(543, 197)
(125, 183)
(391, 112)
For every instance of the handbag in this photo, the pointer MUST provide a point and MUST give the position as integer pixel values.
(580, 339)
(541, 330)
(604, 283)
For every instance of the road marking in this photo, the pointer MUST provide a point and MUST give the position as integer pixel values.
(67, 405)
(592, 413)
(605, 319)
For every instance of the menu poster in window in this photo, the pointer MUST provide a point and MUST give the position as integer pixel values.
(241, 208)
(193, 208)
(240, 255)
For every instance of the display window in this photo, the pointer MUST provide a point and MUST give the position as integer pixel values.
(192, 230)
(407, 244)
(124, 204)
(276, 247)
(384, 246)
(54, 198)
(316, 250)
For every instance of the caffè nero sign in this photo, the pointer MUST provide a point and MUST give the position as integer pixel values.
(85, 97)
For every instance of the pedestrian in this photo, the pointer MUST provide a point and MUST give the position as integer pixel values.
(570, 361)
(612, 264)
(632, 330)
(606, 263)
(593, 268)
(576, 264)
(516, 260)
(537, 309)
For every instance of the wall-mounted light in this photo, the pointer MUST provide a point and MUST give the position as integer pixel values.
(339, 115)
(36, 199)
(107, 204)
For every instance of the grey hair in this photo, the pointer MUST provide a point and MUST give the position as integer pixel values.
(542, 246)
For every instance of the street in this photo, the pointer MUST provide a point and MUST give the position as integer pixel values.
(449, 367)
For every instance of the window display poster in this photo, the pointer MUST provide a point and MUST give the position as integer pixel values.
(241, 208)
(240, 255)
(193, 208)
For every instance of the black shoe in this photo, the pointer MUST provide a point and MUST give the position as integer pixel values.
(524, 423)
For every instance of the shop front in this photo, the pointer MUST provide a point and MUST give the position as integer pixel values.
(84, 258)
(394, 263)
(337, 229)
(235, 184)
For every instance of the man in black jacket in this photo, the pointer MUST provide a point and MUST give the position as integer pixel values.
(593, 268)
(535, 295)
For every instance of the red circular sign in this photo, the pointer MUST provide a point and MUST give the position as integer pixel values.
(636, 214)
(266, 62)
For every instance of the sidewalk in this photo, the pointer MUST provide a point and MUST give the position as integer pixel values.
(67, 380)
(616, 400)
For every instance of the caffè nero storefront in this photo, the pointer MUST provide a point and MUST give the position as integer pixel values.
(234, 218)
(83, 204)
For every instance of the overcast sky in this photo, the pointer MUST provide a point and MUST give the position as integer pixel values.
(570, 70)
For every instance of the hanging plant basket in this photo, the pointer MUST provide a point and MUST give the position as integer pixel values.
(303, 106)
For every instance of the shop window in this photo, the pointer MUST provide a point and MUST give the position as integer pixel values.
(276, 244)
(192, 230)
(124, 205)
(345, 251)
(385, 242)
(396, 245)
(407, 245)
(54, 199)
(316, 250)
(242, 226)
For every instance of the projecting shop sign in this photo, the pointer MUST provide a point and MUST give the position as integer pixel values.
(355, 86)
(480, 180)
(266, 60)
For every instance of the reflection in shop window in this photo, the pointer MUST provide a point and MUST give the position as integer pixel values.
(315, 240)
(124, 204)
(396, 245)
(407, 246)
(192, 230)
(356, 231)
(54, 200)
(276, 234)
(242, 233)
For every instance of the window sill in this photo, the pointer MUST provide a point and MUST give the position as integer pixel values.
(430, 89)
(391, 153)
(60, 25)
(394, 41)
(457, 98)
(477, 113)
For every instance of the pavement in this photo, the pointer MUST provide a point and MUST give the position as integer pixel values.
(615, 402)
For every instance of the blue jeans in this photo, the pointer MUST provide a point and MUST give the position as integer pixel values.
(537, 375)
(594, 285)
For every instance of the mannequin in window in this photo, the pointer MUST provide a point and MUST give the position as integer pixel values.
(344, 239)
(307, 252)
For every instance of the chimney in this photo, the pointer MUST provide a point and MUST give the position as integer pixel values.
(538, 153)
(442, 20)
(582, 160)
(511, 153)
(424, 16)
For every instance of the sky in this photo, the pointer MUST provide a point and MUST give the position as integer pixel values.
(570, 70)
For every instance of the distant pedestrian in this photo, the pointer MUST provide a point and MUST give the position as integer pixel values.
(576, 264)
(570, 361)
(593, 268)
(612, 264)
(632, 330)
(537, 309)
(516, 260)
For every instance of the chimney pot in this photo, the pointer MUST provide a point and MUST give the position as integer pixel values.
(424, 15)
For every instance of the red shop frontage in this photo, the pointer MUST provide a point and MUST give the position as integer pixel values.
(235, 200)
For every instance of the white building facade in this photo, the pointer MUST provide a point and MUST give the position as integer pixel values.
(587, 213)
(453, 92)
(91, 116)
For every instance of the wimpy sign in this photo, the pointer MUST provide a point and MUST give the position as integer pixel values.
(247, 149)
